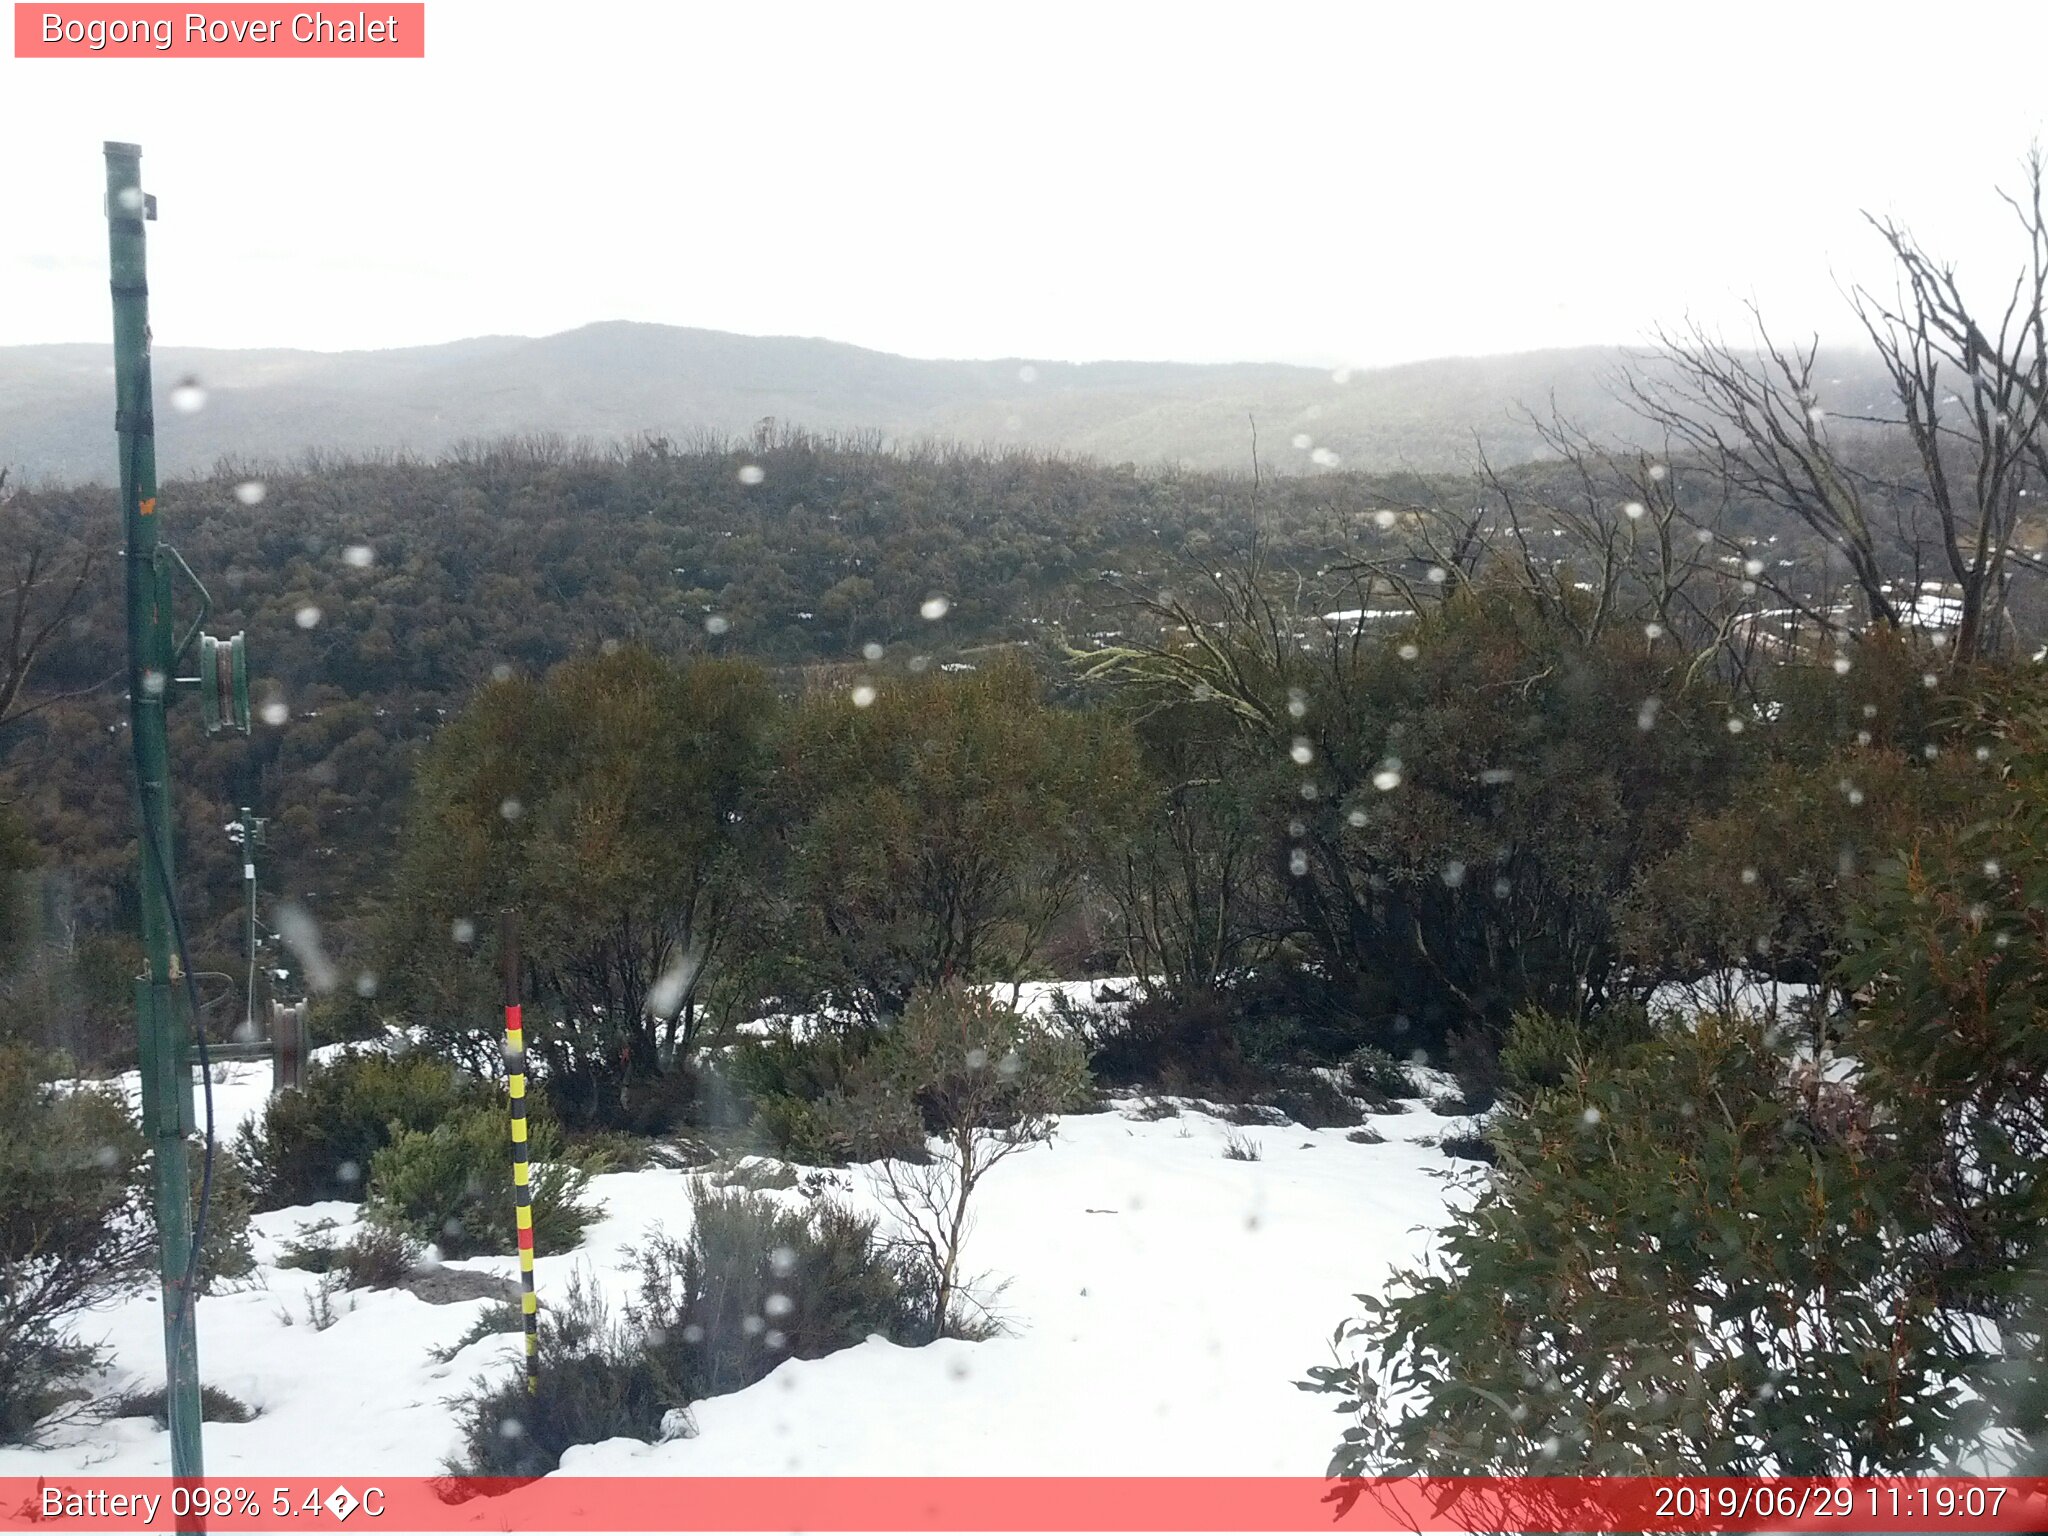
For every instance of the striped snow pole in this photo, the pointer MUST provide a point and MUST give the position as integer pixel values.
(522, 1194)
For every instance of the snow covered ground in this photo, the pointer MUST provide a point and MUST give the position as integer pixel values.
(1162, 1300)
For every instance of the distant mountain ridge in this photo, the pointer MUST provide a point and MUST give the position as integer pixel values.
(621, 378)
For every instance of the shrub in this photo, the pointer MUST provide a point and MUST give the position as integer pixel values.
(378, 1260)
(1948, 958)
(226, 1253)
(215, 1407)
(941, 831)
(451, 1185)
(1084, 1022)
(1674, 1269)
(802, 1132)
(619, 1151)
(72, 1231)
(757, 1283)
(1543, 1052)
(636, 861)
(1374, 1073)
(795, 1089)
(975, 1075)
(1474, 1058)
(375, 1259)
(497, 1317)
(598, 1380)
(1162, 1042)
(1308, 1098)
(1470, 1145)
(1224, 1045)
(318, 1143)
(758, 1173)
(1240, 1148)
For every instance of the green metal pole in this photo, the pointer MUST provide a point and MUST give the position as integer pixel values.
(163, 1030)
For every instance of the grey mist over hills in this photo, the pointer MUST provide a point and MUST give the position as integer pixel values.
(621, 379)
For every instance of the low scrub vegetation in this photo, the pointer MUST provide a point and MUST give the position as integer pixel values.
(73, 1233)
(319, 1143)
(757, 1282)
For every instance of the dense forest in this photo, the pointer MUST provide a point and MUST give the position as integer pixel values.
(378, 596)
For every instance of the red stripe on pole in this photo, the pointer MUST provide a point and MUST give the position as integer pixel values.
(526, 1238)
(261, 1502)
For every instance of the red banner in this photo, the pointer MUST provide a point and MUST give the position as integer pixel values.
(1052, 1504)
(225, 31)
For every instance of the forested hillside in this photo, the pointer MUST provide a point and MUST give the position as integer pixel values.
(379, 594)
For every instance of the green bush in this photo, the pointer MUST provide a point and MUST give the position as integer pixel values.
(599, 1380)
(375, 1259)
(802, 1094)
(1374, 1073)
(451, 1185)
(1676, 1268)
(318, 1143)
(801, 1131)
(226, 1253)
(1222, 1045)
(783, 1080)
(73, 1231)
(757, 1283)
(969, 1082)
(1948, 959)
(497, 1317)
(1543, 1052)
(1178, 1047)
(215, 1407)
(1308, 1098)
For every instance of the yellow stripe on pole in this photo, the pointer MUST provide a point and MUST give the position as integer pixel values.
(525, 1217)
(518, 1085)
(529, 1303)
(519, 1128)
(519, 1174)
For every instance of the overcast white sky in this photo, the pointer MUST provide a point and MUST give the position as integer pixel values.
(1336, 183)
